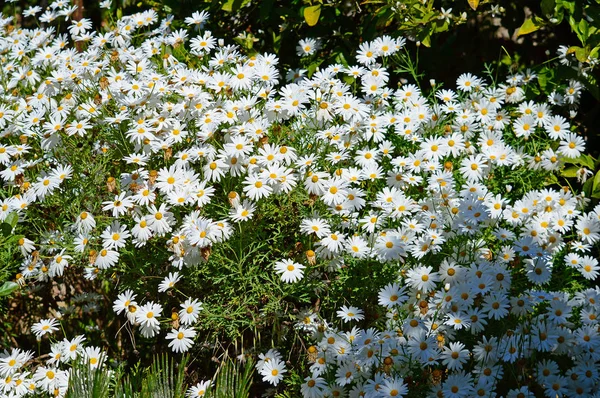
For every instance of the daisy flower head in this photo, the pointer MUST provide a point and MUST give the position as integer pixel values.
(392, 294)
(44, 326)
(572, 145)
(589, 268)
(393, 387)
(272, 354)
(423, 278)
(199, 390)
(455, 356)
(182, 339)
(242, 211)
(272, 371)
(50, 378)
(119, 205)
(94, 356)
(85, 222)
(467, 82)
(366, 54)
(72, 348)
(160, 219)
(147, 315)
(350, 313)
(169, 282)
(313, 387)
(290, 271)
(123, 301)
(197, 19)
(318, 226)
(307, 47)
(106, 258)
(474, 167)
(190, 309)
(256, 187)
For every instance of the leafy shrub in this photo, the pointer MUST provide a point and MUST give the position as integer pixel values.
(167, 193)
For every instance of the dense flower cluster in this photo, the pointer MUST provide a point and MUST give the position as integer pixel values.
(398, 178)
(473, 262)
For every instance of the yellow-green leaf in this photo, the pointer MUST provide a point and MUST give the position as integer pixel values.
(581, 54)
(474, 4)
(528, 27)
(311, 14)
(570, 172)
(427, 41)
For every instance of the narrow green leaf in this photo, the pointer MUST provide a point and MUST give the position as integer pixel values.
(584, 30)
(596, 186)
(312, 14)
(587, 187)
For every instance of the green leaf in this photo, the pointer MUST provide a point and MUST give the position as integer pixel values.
(568, 5)
(13, 239)
(584, 30)
(340, 59)
(311, 14)
(582, 160)
(6, 229)
(7, 288)
(233, 5)
(313, 67)
(548, 7)
(473, 4)
(588, 161)
(587, 187)
(427, 41)
(428, 17)
(441, 26)
(12, 219)
(582, 54)
(551, 180)
(570, 172)
(276, 42)
(529, 26)
(596, 186)
(592, 85)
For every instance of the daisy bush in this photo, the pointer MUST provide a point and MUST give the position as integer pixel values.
(360, 235)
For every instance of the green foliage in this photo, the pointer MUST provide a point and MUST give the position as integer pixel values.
(88, 382)
(163, 379)
(243, 298)
(232, 380)
(583, 17)
(7, 288)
